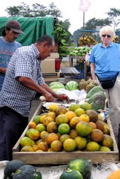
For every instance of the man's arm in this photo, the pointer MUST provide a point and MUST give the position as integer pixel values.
(3, 70)
(60, 97)
(31, 84)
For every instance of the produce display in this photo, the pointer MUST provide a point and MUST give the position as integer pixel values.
(77, 128)
(16, 169)
(71, 85)
(56, 85)
(77, 169)
(96, 97)
(116, 38)
(87, 40)
(80, 51)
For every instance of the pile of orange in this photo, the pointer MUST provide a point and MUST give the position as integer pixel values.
(62, 129)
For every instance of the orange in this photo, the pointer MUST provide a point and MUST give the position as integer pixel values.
(52, 114)
(42, 117)
(27, 149)
(40, 127)
(74, 121)
(64, 128)
(81, 142)
(92, 146)
(51, 137)
(43, 146)
(97, 135)
(36, 119)
(79, 111)
(93, 125)
(104, 148)
(60, 110)
(52, 127)
(47, 120)
(107, 141)
(26, 141)
(69, 145)
(73, 133)
(83, 128)
(38, 141)
(50, 150)
(56, 146)
(73, 107)
(44, 135)
(53, 107)
(32, 125)
(61, 118)
(84, 117)
(32, 134)
(35, 147)
(64, 137)
(70, 115)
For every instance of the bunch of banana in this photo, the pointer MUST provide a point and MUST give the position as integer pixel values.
(86, 41)
(80, 51)
(115, 39)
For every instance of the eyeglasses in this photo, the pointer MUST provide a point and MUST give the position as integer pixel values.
(104, 35)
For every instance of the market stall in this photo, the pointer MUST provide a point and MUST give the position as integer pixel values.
(52, 162)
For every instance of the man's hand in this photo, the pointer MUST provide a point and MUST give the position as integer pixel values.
(63, 97)
(49, 97)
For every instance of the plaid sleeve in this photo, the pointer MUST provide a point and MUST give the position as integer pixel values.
(23, 64)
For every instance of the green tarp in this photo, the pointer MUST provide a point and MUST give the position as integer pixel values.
(33, 28)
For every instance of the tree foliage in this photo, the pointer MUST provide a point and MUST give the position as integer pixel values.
(35, 11)
(114, 15)
(93, 23)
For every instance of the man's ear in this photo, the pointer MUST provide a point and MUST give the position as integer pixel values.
(44, 44)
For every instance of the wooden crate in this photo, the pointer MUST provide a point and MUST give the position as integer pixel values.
(58, 158)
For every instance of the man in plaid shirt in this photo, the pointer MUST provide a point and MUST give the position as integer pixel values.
(23, 79)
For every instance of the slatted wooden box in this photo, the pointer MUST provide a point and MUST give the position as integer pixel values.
(61, 158)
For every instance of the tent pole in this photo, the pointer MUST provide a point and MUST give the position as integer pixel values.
(83, 19)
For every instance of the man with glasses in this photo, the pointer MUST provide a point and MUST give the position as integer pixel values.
(8, 45)
(105, 67)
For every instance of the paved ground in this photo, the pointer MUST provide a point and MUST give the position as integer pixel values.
(34, 106)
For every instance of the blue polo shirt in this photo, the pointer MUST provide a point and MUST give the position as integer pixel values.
(106, 60)
(14, 95)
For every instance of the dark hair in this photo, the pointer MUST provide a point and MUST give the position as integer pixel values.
(3, 32)
(45, 38)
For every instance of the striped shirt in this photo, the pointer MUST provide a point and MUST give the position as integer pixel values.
(14, 95)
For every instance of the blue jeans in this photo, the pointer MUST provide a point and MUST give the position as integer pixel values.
(12, 125)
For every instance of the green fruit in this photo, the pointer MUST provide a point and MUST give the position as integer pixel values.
(27, 172)
(104, 148)
(72, 85)
(26, 141)
(36, 119)
(73, 107)
(11, 167)
(81, 165)
(83, 128)
(94, 90)
(71, 174)
(86, 106)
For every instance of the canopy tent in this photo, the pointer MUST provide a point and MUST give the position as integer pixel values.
(33, 28)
